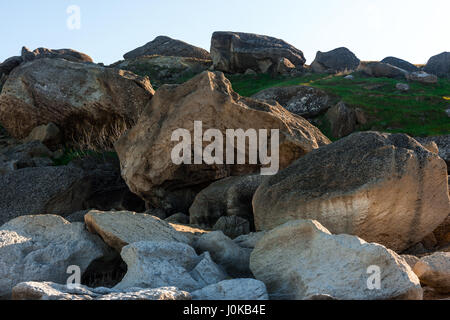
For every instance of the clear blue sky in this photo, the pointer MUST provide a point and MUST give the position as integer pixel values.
(373, 29)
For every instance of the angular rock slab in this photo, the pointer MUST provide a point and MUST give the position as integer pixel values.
(53, 291)
(236, 289)
(434, 271)
(146, 150)
(302, 258)
(41, 248)
(384, 188)
(120, 228)
(161, 264)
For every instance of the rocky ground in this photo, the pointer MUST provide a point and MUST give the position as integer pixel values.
(88, 181)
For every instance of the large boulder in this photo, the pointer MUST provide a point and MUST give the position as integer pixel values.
(439, 65)
(165, 46)
(228, 197)
(236, 289)
(443, 143)
(42, 190)
(52, 291)
(120, 228)
(381, 70)
(66, 54)
(384, 188)
(146, 151)
(156, 264)
(337, 60)
(399, 63)
(91, 104)
(41, 248)
(434, 271)
(236, 52)
(164, 69)
(302, 258)
(304, 101)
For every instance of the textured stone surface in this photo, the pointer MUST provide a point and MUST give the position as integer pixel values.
(380, 69)
(53, 291)
(235, 52)
(399, 63)
(302, 258)
(66, 54)
(92, 105)
(42, 190)
(439, 65)
(41, 248)
(225, 198)
(434, 271)
(232, 226)
(342, 120)
(165, 46)
(384, 188)
(120, 228)
(146, 150)
(337, 60)
(301, 100)
(233, 258)
(163, 69)
(155, 264)
(422, 77)
(237, 289)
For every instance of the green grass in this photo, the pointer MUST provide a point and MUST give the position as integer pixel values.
(419, 112)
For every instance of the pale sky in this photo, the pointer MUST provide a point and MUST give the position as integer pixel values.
(413, 30)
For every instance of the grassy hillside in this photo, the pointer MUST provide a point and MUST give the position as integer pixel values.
(419, 112)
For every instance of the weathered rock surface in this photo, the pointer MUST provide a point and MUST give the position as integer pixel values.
(27, 155)
(422, 77)
(43, 190)
(228, 197)
(442, 233)
(380, 69)
(236, 52)
(120, 228)
(41, 248)
(337, 60)
(9, 64)
(410, 260)
(342, 120)
(302, 258)
(92, 105)
(434, 271)
(165, 46)
(233, 258)
(156, 264)
(146, 150)
(249, 240)
(400, 63)
(301, 100)
(54, 291)
(443, 143)
(237, 289)
(384, 188)
(232, 226)
(439, 65)
(66, 54)
(163, 69)
(403, 87)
